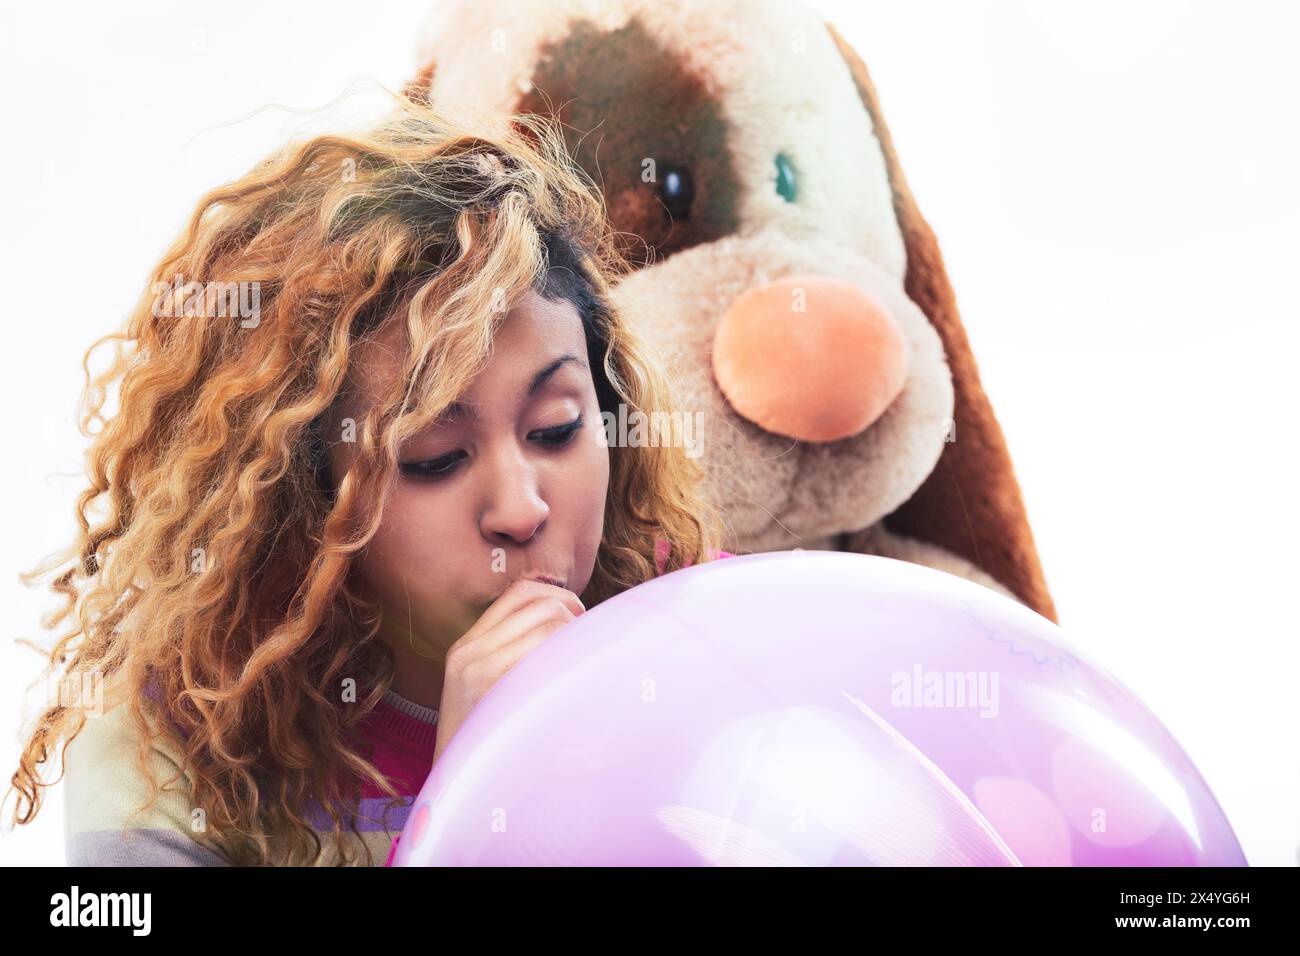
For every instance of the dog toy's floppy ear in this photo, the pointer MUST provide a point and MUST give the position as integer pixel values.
(970, 504)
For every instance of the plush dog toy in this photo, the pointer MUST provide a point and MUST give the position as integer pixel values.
(784, 270)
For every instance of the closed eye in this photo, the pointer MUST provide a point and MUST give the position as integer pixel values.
(557, 436)
(433, 468)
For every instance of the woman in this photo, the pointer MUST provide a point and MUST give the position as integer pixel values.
(335, 515)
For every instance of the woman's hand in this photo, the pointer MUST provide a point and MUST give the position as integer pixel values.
(525, 614)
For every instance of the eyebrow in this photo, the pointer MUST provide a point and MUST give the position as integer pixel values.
(461, 410)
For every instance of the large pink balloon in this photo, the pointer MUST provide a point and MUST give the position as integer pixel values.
(813, 708)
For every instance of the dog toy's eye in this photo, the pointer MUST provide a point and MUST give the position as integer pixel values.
(676, 191)
(785, 183)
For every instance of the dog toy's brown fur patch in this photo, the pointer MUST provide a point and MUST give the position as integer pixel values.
(591, 74)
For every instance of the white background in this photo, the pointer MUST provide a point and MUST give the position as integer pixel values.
(1113, 184)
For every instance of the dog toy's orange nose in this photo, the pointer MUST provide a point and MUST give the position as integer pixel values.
(809, 357)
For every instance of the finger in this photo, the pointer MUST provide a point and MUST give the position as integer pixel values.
(523, 645)
(519, 592)
(542, 609)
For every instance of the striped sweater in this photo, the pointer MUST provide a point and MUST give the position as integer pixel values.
(103, 789)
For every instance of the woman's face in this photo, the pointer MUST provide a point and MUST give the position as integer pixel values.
(511, 484)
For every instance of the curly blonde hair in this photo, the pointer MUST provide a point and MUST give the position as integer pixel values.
(216, 451)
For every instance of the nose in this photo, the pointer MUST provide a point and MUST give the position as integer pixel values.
(513, 508)
(809, 357)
